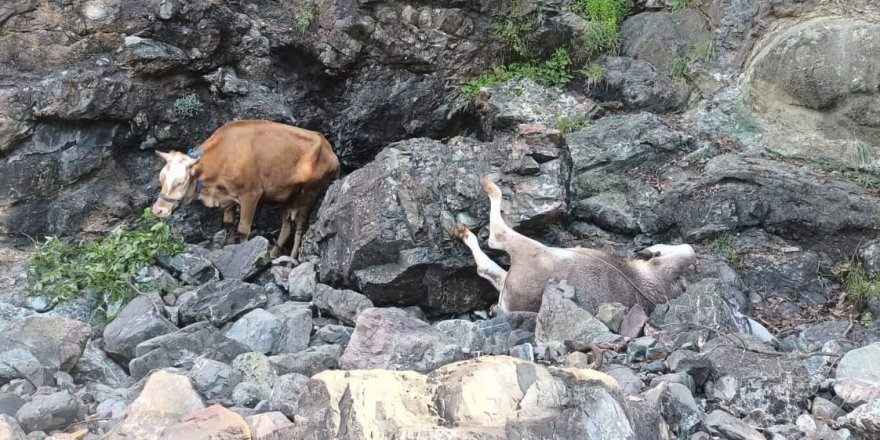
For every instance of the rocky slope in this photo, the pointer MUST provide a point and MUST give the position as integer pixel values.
(746, 128)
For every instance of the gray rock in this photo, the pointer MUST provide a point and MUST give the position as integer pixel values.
(10, 403)
(404, 254)
(825, 409)
(345, 305)
(638, 85)
(256, 369)
(262, 425)
(465, 334)
(637, 349)
(241, 261)
(633, 322)
(150, 56)
(686, 361)
(214, 380)
(20, 387)
(708, 303)
(301, 282)
(296, 329)
(389, 338)
(48, 412)
(524, 101)
(661, 37)
(857, 378)
(9, 428)
(611, 314)
(246, 394)
(334, 334)
(222, 301)
(677, 405)
(626, 377)
(111, 409)
(191, 269)
(731, 427)
(181, 349)
(257, 329)
(416, 312)
(864, 420)
(95, 366)
(561, 319)
(286, 392)
(138, 321)
(771, 384)
(308, 362)
(32, 343)
(523, 351)
(679, 378)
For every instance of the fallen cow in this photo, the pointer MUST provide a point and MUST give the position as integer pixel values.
(654, 276)
(245, 162)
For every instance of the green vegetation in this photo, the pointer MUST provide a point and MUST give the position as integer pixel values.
(678, 5)
(601, 35)
(553, 72)
(511, 33)
(304, 17)
(858, 286)
(62, 269)
(704, 51)
(679, 67)
(187, 106)
(723, 245)
(572, 123)
(593, 74)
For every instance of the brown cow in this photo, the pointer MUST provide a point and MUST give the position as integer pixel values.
(247, 161)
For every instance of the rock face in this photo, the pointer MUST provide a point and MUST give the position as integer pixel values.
(30, 343)
(137, 322)
(386, 228)
(388, 338)
(181, 348)
(487, 398)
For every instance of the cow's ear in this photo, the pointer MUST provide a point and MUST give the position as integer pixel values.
(165, 156)
(645, 254)
(192, 166)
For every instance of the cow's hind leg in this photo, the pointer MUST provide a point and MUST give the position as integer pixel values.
(248, 204)
(486, 268)
(500, 234)
(283, 235)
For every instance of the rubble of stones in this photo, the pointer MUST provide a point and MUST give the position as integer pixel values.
(232, 345)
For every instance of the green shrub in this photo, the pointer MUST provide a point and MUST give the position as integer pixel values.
(601, 34)
(572, 123)
(593, 74)
(679, 67)
(553, 72)
(723, 245)
(511, 33)
(858, 286)
(62, 269)
(678, 5)
(304, 16)
(187, 106)
(704, 51)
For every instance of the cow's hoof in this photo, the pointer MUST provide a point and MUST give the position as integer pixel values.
(275, 252)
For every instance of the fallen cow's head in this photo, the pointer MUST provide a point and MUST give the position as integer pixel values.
(176, 183)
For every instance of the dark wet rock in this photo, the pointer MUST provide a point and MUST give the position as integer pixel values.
(214, 380)
(286, 392)
(182, 348)
(345, 305)
(48, 412)
(334, 334)
(639, 85)
(389, 338)
(308, 362)
(731, 427)
(677, 405)
(385, 229)
(222, 301)
(241, 261)
(191, 269)
(139, 320)
(661, 37)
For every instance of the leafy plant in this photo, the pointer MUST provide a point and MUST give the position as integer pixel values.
(593, 74)
(553, 72)
(62, 269)
(187, 106)
(723, 245)
(572, 123)
(858, 286)
(679, 67)
(304, 17)
(511, 32)
(704, 51)
(601, 34)
(678, 5)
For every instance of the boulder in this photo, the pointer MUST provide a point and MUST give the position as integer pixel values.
(345, 305)
(390, 339)
(9, 429)
(524, 101)
(262, 425)
(181, 348)
(258, 329)
(156, 407)
(49, 412)
(222, 301)
(677, 405)
(192, 269)
(308, 362)
(562, 319)
(95, 366)
(385, 229)
(214, 380)
(286, 392)
(731, 427)
(492, 397)
(638, 85)
(137, 322)
(209, 423)
(256, 369)
(296, 327)
(857, 378)
(30, 343)
(241, 261)
(864, 420)
(708, 303)
(662, 37)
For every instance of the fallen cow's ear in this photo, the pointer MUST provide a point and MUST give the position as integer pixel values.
(645, 254)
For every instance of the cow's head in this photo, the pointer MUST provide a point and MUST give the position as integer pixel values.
(176, 183)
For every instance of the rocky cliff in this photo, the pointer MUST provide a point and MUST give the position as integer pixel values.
(747, 128)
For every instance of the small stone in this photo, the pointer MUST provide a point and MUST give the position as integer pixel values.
(680, 378)
(241, 261)
(577, 360)
(825, 409)
(523, 351)
(626, 377)
(9, 429)
(611, 314)
(633, 322)
(302, 282)
(258, 329)
(256, 369)
(214, 380)
(691, 363)
(246, 394)
(677, 405)
(335, 334)
(637, 350)
(806, 423)
(297, 328)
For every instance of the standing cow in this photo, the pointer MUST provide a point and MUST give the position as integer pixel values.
(247, 161)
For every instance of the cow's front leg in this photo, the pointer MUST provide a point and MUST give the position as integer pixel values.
(283, 235)
(248, 205)
(229, 223)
